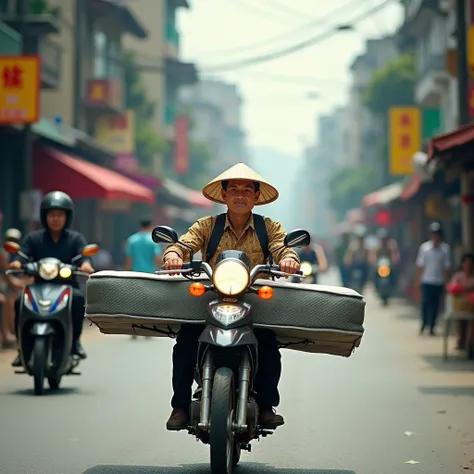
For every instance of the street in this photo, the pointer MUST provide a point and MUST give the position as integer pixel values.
(394, 401)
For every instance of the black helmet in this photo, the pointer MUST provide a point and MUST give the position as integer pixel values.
(56, 200)
(436, 228)
(382, 234)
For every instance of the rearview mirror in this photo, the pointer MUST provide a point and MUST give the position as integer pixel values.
(90, 250)
(297, 239)
(11, 247)
(164, 235)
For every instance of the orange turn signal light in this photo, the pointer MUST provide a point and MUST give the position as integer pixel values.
(265, 292)
(197, 289)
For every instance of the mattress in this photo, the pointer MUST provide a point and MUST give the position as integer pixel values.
(308, 318)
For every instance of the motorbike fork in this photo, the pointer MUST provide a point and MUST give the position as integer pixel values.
(244, 384)
(205, 413)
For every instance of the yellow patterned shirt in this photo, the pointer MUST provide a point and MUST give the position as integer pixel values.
(199, 234)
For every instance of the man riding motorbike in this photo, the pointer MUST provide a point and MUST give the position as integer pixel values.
(240, 189)
(314, 254)
(57, 241)
(357, 258)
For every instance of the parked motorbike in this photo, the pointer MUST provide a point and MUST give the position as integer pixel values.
(383, 282)
(44, 320)
(224, 413)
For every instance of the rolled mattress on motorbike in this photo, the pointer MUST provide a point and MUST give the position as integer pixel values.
(308, 318)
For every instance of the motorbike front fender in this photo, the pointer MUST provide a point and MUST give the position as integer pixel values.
(235, 337)
(42, 329)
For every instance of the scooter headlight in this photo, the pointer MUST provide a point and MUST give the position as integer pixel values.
(306, 268)
(231, 277)
(228, 314)
(48, 271)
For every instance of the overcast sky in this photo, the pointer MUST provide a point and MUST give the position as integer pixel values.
(278, 112)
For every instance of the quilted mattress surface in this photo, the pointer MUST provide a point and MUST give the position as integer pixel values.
(309, 318)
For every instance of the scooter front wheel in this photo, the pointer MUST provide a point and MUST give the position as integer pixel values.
(39, 364)
(222, 414)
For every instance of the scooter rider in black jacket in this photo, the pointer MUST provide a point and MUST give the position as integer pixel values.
(56, 241)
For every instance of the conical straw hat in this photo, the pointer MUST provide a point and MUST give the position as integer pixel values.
(213, 190)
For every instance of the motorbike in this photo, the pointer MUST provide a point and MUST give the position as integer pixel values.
(310, 272)
(356, 278)
(383, 282)
(44, 321)
(224, 413)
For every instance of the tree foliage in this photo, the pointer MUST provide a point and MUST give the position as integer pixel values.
(392, 85)
(349, 185)
(147, 142)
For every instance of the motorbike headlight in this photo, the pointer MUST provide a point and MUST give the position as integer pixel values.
(306, 268)
(231, 277)
(65, 272)
(384, 271)
(227, 314)
(48, 271)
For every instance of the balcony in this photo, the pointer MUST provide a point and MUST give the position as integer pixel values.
(105, 96)
(50, 54)
(38, 23)
(10, 40)
(433, 79)
(179, 74)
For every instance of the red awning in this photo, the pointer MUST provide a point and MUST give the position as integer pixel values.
(55, 170)
(383, 196)
(195, 198)
(411, 188)
(443, 143)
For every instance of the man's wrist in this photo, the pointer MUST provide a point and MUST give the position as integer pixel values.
(170, 254)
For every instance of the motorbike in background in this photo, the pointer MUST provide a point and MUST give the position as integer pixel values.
(310, 272)
(45, 333)
(383, 280)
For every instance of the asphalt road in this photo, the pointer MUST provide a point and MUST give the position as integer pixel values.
(394, 401)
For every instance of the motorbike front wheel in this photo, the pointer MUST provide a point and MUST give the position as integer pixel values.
(222, 418)
(39, 364)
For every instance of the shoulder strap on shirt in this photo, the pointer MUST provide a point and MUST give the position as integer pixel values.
(218, 231)
(216, 236)
(261, 231)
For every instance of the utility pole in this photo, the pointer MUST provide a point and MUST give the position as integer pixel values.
(78, 52)
(461, 60)
(26, 138)
(463, 116)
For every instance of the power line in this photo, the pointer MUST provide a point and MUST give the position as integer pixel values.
(320, 21)
(301, 81)
(257, 10)
(286, 9)
(296, 47)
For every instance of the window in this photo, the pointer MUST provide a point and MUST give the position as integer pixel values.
(100, 54)
(106, 56)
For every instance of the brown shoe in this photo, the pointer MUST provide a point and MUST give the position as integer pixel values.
(270, 419)
(178, 420)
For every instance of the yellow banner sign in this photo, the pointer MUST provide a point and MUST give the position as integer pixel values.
(117, 132)
(19, 89)
(405, 138)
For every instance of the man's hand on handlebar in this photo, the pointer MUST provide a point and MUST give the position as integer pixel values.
(16, 265)
(289, 265)
(173, 262)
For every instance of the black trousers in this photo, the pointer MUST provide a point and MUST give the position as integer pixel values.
(77, 313)
(185, 359)
(430, 301)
